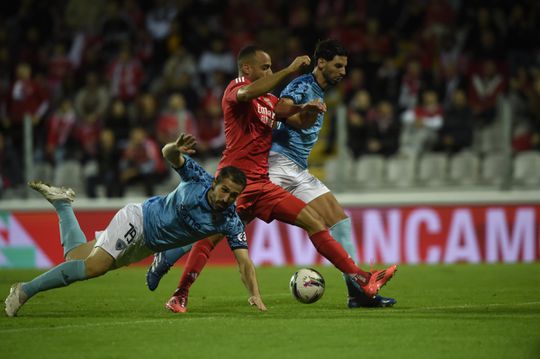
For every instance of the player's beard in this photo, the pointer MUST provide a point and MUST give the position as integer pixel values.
(220, 206)
(332, 81)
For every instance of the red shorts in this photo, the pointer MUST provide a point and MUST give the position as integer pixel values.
(259, 199)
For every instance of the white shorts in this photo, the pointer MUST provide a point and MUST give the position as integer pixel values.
(123, 238)
(293, 178)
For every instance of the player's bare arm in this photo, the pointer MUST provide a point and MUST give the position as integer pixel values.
(249, 277)
(299, 116)
(268, 83)
(173, 151)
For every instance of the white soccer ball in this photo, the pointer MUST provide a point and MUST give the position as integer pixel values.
(307, 285)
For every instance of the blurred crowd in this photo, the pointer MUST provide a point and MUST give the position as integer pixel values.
(107, 83)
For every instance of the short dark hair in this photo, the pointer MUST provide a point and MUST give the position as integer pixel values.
(328, 49)
(234, 174)
(246, 52)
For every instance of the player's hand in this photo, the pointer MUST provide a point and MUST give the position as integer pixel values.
(316, 106)
(299, 62)
(185, 143)
(257, 301)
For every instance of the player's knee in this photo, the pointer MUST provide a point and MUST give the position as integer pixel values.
(95, 268)
(310, 220)
(206, 245)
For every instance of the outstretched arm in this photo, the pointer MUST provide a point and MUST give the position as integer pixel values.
(249, 277)
(173, 151)
(268, 83)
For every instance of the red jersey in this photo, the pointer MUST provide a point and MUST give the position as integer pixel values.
(248, 131)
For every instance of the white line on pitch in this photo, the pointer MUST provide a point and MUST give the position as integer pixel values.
(467, 306)
(170, 321)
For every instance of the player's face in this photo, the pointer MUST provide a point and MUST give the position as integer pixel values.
(261, 66)
(334, 70)
(224, 193)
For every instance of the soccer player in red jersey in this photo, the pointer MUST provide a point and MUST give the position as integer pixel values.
(250, 113)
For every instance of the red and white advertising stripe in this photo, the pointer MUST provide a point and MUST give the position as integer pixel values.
(408, 234)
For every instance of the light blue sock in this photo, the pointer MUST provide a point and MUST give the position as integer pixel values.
(60, 276)
(174, 254)
(71, 235)
(341, 232)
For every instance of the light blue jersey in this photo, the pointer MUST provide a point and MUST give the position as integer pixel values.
(184, 216)
(289, 141)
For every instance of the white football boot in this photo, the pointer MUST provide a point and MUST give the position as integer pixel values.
(52, 193)
(15, 300)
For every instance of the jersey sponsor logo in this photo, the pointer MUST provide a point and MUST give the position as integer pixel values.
(189, 220)
(266, 115)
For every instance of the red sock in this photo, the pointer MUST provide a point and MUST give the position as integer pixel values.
(329, 248)
(198, 256)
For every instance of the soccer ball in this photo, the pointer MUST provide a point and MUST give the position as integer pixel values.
(307, 285)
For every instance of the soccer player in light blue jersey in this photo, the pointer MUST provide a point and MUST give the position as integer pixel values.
(292, 144)
(200, 207)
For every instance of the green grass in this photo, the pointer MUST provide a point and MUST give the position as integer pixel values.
(458, 311)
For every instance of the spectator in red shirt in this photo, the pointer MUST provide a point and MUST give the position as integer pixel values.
(174, 120)
(484, 89)
(26, 98)
(59, 127)
(410, 86)
(421, 125)
(125, 75)
(87, 132)
(59, 68)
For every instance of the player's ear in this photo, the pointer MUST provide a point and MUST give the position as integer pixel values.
(321, 63)
(245, 68)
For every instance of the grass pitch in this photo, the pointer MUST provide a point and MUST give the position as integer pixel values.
(458, 311)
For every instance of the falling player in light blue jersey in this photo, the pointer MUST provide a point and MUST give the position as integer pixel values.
(200, 207)
(292, 143)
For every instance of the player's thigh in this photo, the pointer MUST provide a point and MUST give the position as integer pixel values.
(328, 208)
(261, 199)
(123, 238)
(82, 251)
(295, 179)
(292, 210)
(282, 172)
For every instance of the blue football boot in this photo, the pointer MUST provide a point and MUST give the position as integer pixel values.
(157, 270)
(358, 299)
(365, 302)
